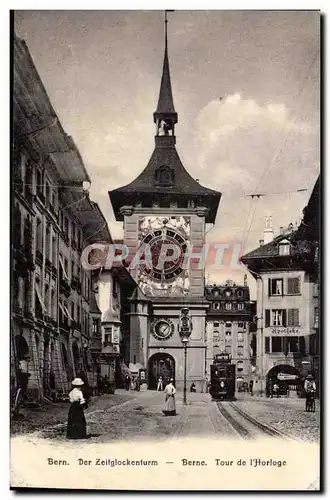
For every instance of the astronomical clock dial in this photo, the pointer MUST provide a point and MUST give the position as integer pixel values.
(162, 329)
(167, 271)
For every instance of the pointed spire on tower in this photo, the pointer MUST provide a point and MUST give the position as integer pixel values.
(165, 115)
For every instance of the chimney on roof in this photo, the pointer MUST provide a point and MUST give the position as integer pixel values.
(281, 230)
(268, 231)
(261, 242)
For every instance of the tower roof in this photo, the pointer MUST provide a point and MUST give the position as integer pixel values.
(165, 179)
(165, 101)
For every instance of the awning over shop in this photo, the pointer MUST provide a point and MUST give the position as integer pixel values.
(287, 376)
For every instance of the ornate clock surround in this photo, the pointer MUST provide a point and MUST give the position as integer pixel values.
(162, 328)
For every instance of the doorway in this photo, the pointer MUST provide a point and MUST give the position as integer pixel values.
(160, 365)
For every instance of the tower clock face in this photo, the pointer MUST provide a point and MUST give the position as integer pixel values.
(162, 328)
(169, 270)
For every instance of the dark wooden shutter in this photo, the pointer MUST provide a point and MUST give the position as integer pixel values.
(284, 317)
(267, 344)
(269, 287)
(267, 317)
(302, 345)
(290, 317)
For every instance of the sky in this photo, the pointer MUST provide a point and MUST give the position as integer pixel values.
(246, 87)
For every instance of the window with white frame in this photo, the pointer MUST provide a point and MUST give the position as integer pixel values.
(216, 305)
(228, 306)
(228, 324)
(240, 306)
(275, 286)
(276, 317)
(284, 248)
(216, 324)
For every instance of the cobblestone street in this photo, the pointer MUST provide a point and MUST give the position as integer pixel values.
(138, 416)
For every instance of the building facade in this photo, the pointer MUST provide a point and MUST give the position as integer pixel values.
(228, 326)
(165, 206)
(53, 221)
(287, 308)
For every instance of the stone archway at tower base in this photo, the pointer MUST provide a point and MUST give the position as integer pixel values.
(160, 364)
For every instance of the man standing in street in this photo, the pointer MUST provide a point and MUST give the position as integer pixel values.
(160, 386)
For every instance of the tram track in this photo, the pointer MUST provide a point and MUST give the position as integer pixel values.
(254, 427)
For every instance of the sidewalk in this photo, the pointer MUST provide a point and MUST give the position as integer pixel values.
(50, 414)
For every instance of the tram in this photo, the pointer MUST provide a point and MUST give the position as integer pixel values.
(223, 377)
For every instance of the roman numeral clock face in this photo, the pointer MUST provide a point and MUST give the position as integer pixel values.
(167, 243)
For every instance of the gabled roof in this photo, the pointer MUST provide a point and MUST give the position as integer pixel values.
(270, 249)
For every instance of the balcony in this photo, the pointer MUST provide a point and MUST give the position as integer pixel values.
(65, 287)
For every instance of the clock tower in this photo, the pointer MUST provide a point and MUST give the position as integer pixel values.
(164, 212)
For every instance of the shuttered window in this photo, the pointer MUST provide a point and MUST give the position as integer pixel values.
(275, 287)
(275, 317)
(293, 317)
(293, 286)
(267, 344)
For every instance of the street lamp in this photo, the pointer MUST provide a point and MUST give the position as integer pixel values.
(185, 332)
(185, 340)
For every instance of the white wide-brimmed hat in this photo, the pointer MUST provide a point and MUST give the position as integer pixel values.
(77, 381)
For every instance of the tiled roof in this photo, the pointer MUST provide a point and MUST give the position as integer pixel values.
(270, 249)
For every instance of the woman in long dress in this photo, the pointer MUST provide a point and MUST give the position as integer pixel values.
(76, 428)
(169, 408)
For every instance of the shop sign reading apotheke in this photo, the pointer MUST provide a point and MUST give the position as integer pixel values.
(291, 330)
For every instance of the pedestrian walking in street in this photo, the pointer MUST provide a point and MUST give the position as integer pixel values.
(276, 391)
(76, 428)
(310, 390)
(160, 385)
(170, 408)
(193, 387)
(251, 387)
(127, 382)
